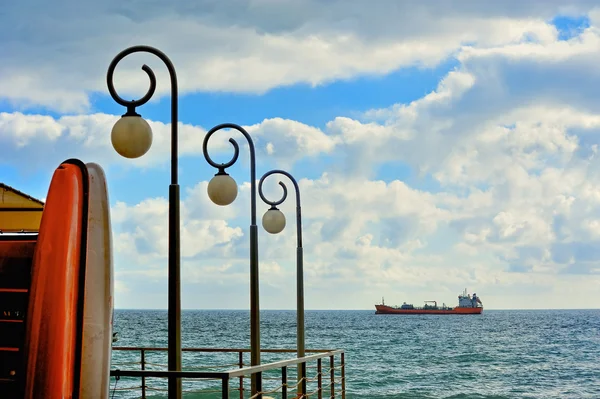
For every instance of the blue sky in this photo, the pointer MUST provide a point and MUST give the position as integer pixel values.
(314, 106)
(427, 152)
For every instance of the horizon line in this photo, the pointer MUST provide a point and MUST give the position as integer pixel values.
(341, 310)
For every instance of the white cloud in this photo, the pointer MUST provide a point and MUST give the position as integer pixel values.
(61, 55)
(346, 241)
(503, 152)
(143, 230)
(25, 139)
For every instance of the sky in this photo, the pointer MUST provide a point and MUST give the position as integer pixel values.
(438, 145)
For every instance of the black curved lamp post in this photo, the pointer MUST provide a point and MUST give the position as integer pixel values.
(274, 222)
(131, 137)
(222, 190)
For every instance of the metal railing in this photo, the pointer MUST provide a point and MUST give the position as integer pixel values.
(336, 387)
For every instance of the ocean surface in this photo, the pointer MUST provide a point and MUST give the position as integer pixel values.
(497, 355)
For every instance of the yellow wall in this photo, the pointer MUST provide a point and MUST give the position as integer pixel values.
(17, 212)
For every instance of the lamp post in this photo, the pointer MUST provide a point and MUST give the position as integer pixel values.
(274, 222)
(131, 137)
(222, 190)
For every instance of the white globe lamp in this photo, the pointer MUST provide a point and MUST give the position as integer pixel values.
(222, 189)
(273, 221)
(131, 136)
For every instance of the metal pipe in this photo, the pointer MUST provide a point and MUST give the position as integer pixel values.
(269, 366)
(303, 382)
(284, 391)
(143, 363)
(319, 379)
(174, 305)
(332, 375)
(211, 350)
(343, 362)
(225, 388)
(256, 381)
(241, 363)
(299, 258)
(233, 373)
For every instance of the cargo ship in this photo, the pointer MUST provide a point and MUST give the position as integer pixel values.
(467, 304)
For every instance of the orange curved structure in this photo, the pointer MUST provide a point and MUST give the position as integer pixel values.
(55, 312)
(68, 332)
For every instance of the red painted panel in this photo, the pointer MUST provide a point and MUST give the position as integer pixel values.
(51, 332)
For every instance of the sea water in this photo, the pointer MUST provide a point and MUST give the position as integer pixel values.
(501, 354)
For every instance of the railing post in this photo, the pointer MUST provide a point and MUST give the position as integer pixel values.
(342, 360)
(284, 382)
(143, 363)
(332, 375)
(303, 383)
(298, 363)
(319, 380)
(225, 388)
(241, 364)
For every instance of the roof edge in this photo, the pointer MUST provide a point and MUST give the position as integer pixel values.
(14, 190)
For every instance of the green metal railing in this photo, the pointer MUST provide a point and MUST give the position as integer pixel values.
(303, 386)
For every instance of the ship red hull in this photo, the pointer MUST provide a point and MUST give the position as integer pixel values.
(384, 309)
